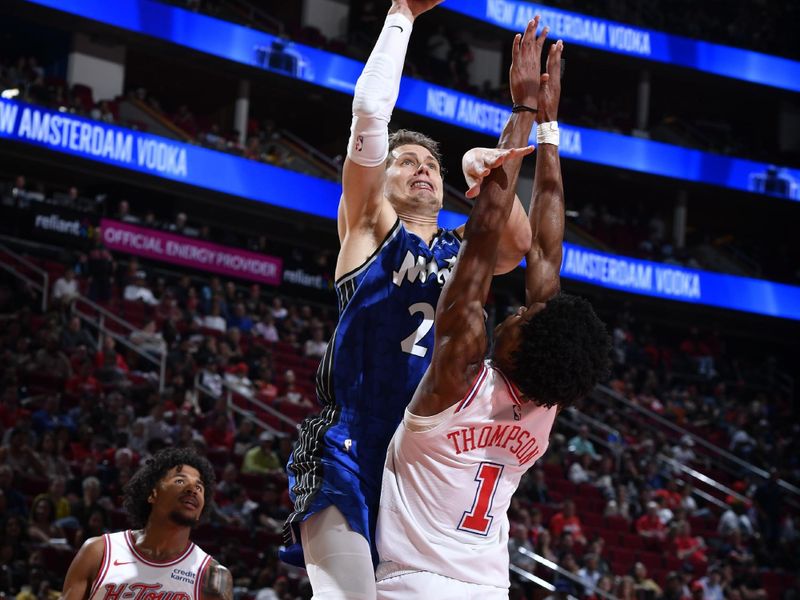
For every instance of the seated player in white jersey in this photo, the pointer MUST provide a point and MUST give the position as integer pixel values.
(156, 560)
(475, 426)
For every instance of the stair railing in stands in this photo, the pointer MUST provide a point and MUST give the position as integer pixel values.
(100, 322)
(573, 419)
(228, 390)
(43, 287)
(97, 321)
(604, 393)
(563, 572)
(234, 408)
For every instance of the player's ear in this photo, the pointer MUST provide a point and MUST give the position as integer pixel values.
(151, 499)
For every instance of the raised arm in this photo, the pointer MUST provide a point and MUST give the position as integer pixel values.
(460, 342)
(373, 102)
(515, 240)
(542, 275)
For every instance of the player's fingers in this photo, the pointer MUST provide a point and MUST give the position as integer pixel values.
(530, 30)
(542, 37)
(554, 60)
(515, 49)
(474, 190)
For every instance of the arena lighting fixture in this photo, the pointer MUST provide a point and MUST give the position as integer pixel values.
(9, 93)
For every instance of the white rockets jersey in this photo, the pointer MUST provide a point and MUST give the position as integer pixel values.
(449, 478)
(127, 575)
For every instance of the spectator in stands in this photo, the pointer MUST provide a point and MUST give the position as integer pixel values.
(643, 585)
(269, 513)
(240, 319)
(239, 507)
(711, 584)
(148, 338)
(735, 519)
(214, 319)
(245, 437)
(649, 525)
(51, 361)
(688, 548)
(581, 471)
(683, 452)
(520, 548)
(41, 524)
(14, 501)
(316, 346)
(279, 312)
(96, 526)
(100, 267)
(90, 500)
(581, 444)
(124, 213)
(19, 455)
(219, 434)
(50, 417)
(65, 289)
(155, 424)
(261, 459)
(590, 572)
(291, 393)
(768, 502)
(265, 328)
(137, 290)
(74, 336)
(538, 491)
(53, 462)
(567, 521)
(544, 546)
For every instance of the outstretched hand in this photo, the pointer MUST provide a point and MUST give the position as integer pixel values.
(526, 64)
(413, 8)
(550, 85)
(479, 162)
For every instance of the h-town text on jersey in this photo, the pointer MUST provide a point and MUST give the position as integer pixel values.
(141, 591)
(517, 441)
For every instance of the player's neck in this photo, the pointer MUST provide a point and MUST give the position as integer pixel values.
(425, 226)
(161, 541)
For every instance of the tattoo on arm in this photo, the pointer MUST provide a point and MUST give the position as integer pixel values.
(217, 583)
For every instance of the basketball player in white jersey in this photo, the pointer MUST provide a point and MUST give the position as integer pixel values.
(156, 560)
(475, 426)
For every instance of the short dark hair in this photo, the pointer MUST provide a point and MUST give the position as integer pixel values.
(403, 137)
(138, 489)
(565, 351)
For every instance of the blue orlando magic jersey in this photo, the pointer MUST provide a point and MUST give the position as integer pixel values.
(375, 359)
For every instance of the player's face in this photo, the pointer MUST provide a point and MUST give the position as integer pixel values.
(508, 334)
(180, 495)
(414, 174)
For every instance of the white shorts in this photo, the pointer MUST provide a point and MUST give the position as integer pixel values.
(403, 584)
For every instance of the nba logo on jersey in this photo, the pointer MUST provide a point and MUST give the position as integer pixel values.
(517, 412)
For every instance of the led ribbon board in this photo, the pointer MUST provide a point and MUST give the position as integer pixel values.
(176, 161)
(262, 50)
(610, 36)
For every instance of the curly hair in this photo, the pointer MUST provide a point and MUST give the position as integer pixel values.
(144, 481)
(564, 352)
(403, 137)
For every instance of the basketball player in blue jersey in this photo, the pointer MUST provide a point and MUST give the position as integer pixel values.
(164, 500)
(474, 426)
(392, 264)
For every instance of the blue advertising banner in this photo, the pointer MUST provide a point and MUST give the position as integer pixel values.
(678, 283)
(176, 161)
(165, 158)
(647, 44)
(262, 50)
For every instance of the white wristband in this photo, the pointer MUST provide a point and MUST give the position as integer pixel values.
(547, 133)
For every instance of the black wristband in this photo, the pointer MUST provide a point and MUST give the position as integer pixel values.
(522, 108)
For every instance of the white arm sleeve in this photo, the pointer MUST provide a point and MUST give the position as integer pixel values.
(376, 93)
